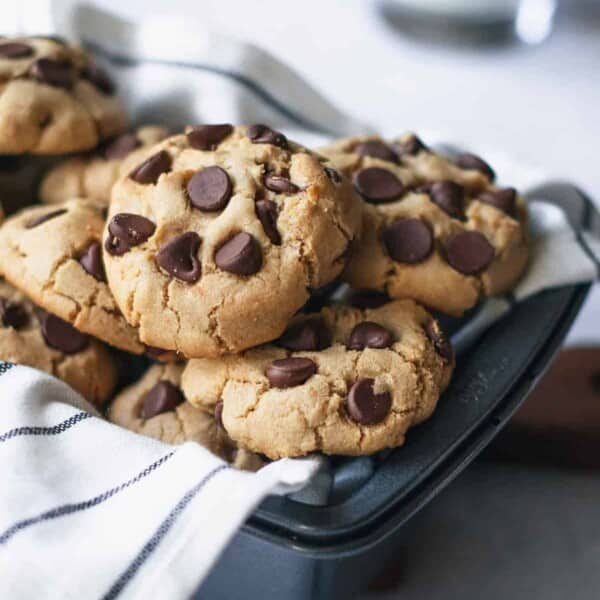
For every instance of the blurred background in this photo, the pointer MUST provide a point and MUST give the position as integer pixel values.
(519, 77)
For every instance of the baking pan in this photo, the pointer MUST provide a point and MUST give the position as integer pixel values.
(293, 550)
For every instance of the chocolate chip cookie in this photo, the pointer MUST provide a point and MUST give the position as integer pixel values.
(53, 98)
(342, 381)
(30, 336)
(53, 255)
(93, 175)
(213, 241)
(434, 229)
(155, 406)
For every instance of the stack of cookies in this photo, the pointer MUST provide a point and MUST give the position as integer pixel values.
(277, 292)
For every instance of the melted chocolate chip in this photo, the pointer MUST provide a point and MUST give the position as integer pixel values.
(366, 298)
(409, 147)
(151, 169)
(241, 255)
(62, 336)
(439, 340)
(333, 175)
(35, 221)
(91, 261)
(179, 257)
(290, 372)
(57, 73)
(408, 240)
(99, 78)
(15, 50)
(121, 146)
(209, 189)
(504, 200)
(266, 211)
(219, 414)
(281, 185)
(376, 149)
(369, 335)
(473, 162)
(469, 252)
(365, 406)
(208, 137)
(308, 335)
(378, 185)
(126, 230)
(450, 197)
(163, 397)
(261, 134)
(12, 314)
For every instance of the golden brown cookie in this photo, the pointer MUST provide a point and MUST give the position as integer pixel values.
(155, 406)
(342, 381)
(213, 241)
(53, 98)
(434, 230)
(30, 336)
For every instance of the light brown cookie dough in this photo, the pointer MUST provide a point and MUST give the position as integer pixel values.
(433, 230)
(155, 406)
(212, 243)
(93, 175)
(342, 381)
(32, 337)
(53, 255)
(53, 98)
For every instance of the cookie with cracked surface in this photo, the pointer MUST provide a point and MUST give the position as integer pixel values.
(213, 242)
(155, 406)
(434, 229)
(53, 255)
(342, 381)
(54, 99)
(32, 337)
(93, 175)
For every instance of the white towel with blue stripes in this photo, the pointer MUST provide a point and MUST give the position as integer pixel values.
(88, 510)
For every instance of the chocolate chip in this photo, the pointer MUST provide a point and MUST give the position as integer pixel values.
(266, 211)
(121, 146)
(450, 197)
(240, 254)
(98, 77)
(289, 372)
(261, 134)
(179, 257)
(308, 335)
(163, 397)
(409, 147)
(366, 298)
(12, 314)
(333, 175)
(91, 261)
(365, 406)
(156, 353)
(281, 185)
(126, 230)
(219, 413)
(376, 149)
(504, 199)
(15, 50)
(209, 189)
(62, 336)
(471, 161)
(208, 137)
(378, 185)
(58, 73)
(150, 170)
(369, 335)
(439, 340)
(43, 218)
(408, 240)
(469, 252)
